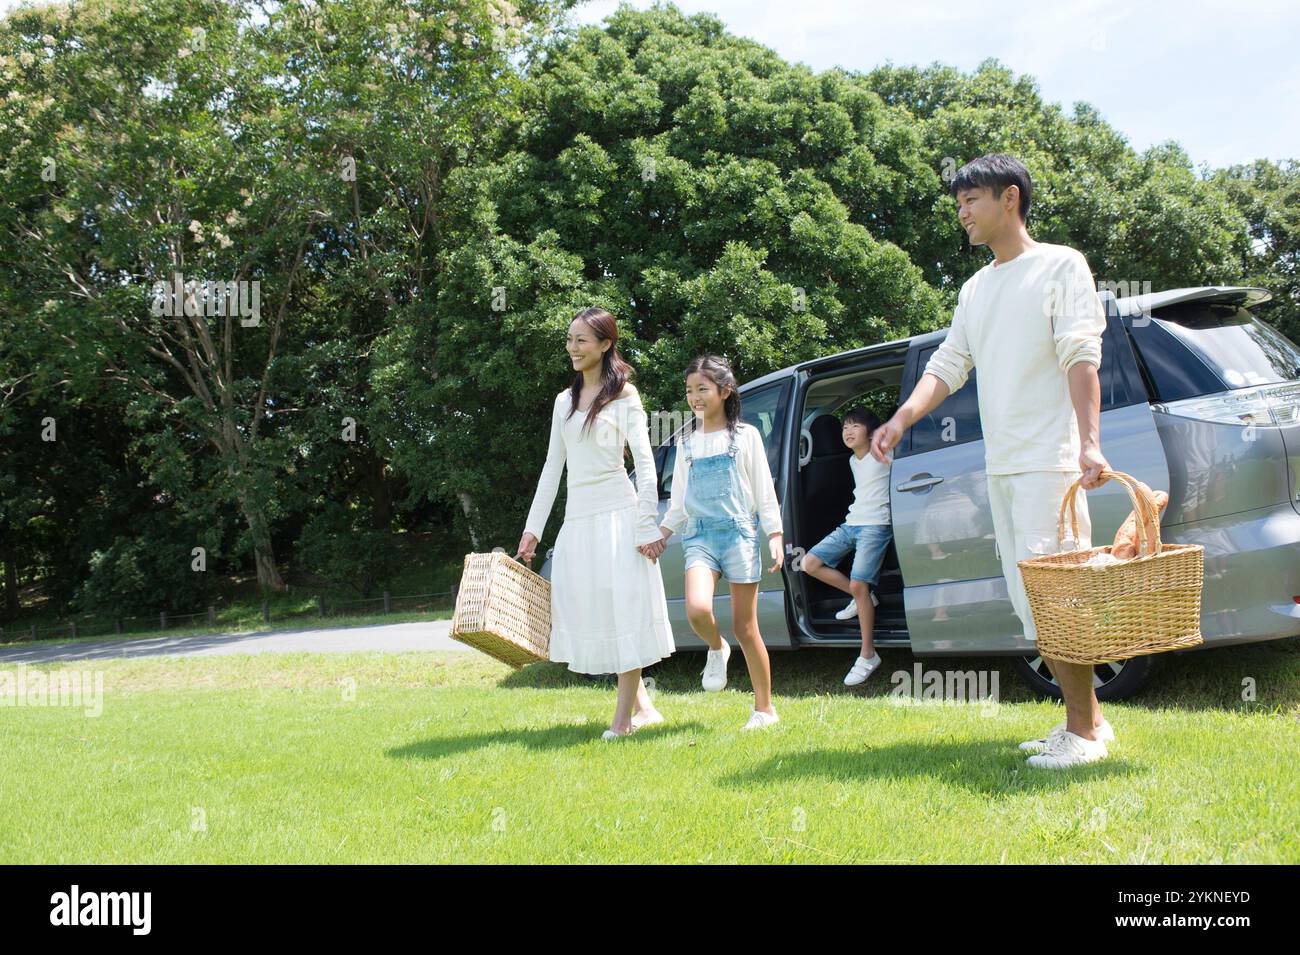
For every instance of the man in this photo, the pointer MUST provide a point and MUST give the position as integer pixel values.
(1031, 321)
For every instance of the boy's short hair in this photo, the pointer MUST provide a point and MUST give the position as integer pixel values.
(997, 171)
(864, 416)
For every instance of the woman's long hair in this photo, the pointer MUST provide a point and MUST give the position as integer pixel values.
(718, 370)
(614, 373)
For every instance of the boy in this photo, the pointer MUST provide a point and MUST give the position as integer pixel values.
(866, 531)
(1031, 321)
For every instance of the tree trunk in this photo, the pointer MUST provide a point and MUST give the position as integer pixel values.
(268, 575)
(380, 495)
(467, 505)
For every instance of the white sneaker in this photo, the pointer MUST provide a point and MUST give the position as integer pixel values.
(862, 668)
(1104, 733)
(851, 611)
(715, 668)
(1067, 750)
(758, 719)
(610, 734)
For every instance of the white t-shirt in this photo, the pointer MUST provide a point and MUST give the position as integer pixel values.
(755, 476)
(1023, 324)
(870, 491)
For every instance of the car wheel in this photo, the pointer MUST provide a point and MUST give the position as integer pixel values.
(1111, 681)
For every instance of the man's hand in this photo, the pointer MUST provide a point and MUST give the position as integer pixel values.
(1092, 463)
(884, 438)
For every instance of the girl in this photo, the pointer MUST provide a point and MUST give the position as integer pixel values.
(608, 610)
(720, 479)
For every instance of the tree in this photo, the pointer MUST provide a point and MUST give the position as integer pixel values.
(299, 163)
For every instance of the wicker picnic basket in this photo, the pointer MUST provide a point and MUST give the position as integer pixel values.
(503, 609)
(1150, 603)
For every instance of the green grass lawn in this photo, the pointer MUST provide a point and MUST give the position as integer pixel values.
(451, 757)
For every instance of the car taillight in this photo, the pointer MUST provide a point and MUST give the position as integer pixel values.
(1276, 406)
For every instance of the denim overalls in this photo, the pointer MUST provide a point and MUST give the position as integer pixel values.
(720, 532)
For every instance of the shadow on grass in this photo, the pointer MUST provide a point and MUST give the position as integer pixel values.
(993, 768)
(555, 737)
(1213, 679)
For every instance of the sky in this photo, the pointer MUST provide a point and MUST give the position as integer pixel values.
(1220, 78)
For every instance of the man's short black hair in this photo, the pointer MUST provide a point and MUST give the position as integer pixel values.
(997, 171)
(863, 416)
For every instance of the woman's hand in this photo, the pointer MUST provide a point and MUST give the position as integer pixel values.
(527, 548)
(776, 547)
(652, 550)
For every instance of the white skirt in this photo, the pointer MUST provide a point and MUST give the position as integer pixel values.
(608, 609)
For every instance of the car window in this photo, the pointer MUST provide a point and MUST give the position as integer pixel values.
(1212, 347)
(1114, 384)
(956, 421)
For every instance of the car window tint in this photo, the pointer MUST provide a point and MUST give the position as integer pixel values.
(956, 421)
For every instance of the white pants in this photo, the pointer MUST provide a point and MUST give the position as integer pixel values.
(1025, 508)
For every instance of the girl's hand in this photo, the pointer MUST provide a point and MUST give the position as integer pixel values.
(776, 547)
(527, 548)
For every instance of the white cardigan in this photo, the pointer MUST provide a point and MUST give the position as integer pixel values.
(598, 480)
(755, 477)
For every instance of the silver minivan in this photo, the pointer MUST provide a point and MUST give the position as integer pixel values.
(1198, 398)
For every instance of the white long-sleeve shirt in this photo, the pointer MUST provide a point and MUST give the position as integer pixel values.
(755, 476)
(598, 480)
(1024, 324)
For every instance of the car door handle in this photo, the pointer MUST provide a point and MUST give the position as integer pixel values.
(919, 483)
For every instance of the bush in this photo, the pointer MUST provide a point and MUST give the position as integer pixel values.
(340, 546)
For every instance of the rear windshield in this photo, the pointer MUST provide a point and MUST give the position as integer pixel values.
(1198, 349)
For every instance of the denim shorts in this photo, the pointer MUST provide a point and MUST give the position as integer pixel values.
(868, 543)
(728, 545)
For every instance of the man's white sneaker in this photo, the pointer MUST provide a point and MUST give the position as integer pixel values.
(715, 668)
(851, 611)
(862, 668)
(1103, 732)
(1067, 750)
(758, 719)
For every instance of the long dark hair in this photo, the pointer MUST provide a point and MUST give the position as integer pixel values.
(614, 373)
(718, 370)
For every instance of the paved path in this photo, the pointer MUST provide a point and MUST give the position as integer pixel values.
(390, 638)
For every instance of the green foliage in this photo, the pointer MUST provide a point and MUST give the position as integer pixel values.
(146, 571)
(342, 546)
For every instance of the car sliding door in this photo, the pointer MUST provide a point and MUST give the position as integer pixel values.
(953, 591)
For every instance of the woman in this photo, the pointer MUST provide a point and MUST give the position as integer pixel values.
(608, 609)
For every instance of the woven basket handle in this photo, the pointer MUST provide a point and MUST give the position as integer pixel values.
(1144, 507)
